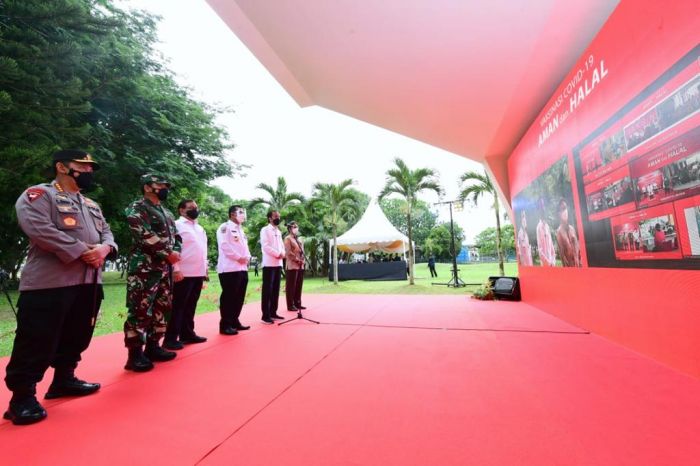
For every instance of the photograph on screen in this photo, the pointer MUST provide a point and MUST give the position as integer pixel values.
(610, 195)
(692, 217)
(603, 153)
(668, 173)
(658, 234)
(681, 104)
(649, 234)
(615, 194)
(685, 174)
(547, 230)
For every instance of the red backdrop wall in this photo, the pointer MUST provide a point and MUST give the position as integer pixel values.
(652, 307)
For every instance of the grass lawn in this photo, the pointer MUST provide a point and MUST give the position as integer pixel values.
(113, 310)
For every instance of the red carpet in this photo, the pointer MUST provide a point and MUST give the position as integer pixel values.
(384, 380)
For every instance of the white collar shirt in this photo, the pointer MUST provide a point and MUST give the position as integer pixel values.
(193, 258)
(272, 246)
(234, 255)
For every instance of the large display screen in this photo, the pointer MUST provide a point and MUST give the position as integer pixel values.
(638, 173)
(637, 182)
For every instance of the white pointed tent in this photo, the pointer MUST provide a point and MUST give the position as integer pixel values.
(373, 232)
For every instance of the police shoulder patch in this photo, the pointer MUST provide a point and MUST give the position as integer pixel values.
(35, 193)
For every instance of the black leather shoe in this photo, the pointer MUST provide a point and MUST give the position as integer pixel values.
(173, 345)
(267, 321)
(293, 309)
(302, 307)
(192, 340)
(228, 331)
(158, 354)
(71, 387)
(275, 316)
(240, 327)
(137, 361)
(27, 411)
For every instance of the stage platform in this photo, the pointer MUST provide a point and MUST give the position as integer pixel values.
(384, 380)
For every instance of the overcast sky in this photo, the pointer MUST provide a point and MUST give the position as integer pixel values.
(274, 135)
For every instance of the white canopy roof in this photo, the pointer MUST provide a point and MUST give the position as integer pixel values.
(374, 232)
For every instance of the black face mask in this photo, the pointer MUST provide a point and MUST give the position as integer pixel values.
(276, 221)
(162, 193)
(192, 213)
(83, 180)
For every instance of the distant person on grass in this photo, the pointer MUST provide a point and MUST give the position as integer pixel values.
(431, 266)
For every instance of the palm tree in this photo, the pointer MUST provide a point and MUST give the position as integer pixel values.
(278, 197)
(479, 184)
(408, 183)
(341, 203)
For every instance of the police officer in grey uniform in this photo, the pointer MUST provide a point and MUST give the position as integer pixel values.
(60, 291)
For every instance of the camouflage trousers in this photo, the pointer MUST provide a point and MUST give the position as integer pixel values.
(149, 300)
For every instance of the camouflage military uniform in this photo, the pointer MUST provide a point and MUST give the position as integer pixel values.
(149, 280)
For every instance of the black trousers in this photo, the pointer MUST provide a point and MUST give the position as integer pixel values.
(54, 326)
(433, 273)
(292, 287)
(186, 294)
(270, 290)
(233, 288)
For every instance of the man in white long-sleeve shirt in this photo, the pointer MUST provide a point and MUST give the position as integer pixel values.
(189, 275)
(234, 257)
(273, 253)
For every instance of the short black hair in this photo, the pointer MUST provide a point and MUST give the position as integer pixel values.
(233, 209)
(183, 203)
(270, 212)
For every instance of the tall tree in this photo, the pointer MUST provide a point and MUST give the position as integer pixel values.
(83, 73)
(423, 219)
(477, 185)
(486, 241)
(340, 203)
(439, 241)
(278, 198)
(408, 184)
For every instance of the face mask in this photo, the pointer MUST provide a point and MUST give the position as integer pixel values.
(276, 221)
(162, 193)
(295, 231)
(83, 180)
(192, 213)
(241, 217)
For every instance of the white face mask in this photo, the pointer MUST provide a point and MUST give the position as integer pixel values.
(295, 231)
(241, 216)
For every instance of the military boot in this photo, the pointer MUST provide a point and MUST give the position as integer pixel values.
(137, 361)
(65, 383)
(158, 354)
(24, 409)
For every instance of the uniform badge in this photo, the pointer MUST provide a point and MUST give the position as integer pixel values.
(223, 228)
(70, 221)
(35, 193)
(236, 238)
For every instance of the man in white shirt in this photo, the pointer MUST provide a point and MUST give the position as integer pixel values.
(273, 253)
(234, 257)
(189, 275)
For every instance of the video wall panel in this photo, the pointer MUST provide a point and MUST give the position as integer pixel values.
(546, 216)
(637, 182)
(635, 169)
